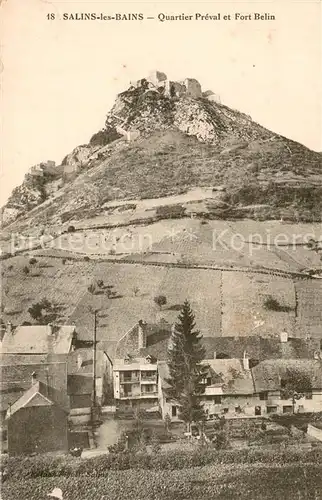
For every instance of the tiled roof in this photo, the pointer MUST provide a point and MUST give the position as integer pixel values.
(16, 375)
(258, 348)
(228, 373)
(234, 379)
(267, 375)
(35, 339)
(80, 362)
(46, 392)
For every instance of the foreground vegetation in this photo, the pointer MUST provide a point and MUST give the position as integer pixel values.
(203, 474)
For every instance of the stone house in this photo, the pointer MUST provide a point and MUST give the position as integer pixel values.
(39, 339)
(235, 389)
(270, 377)
(19, 370)
(135, 383)
(228, 391)
(37, 422)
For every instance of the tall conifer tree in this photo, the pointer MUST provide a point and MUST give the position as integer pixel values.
(186, 370)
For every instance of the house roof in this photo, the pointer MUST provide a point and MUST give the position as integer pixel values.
(229, 374)
(46, 393)
(258, 348)
(267, 375)
(36, 339)
(16, 375)
(81, 362)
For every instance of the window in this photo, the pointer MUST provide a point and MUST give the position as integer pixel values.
(263, 396)
(174, 411)
(258, 410)
(288, 409)
(148, 388)
(226, 410)
(271, 409)
(208, 381)
(308, 395)
(217, 400)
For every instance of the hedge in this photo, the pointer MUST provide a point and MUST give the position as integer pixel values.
(47, 466)
(220, 482)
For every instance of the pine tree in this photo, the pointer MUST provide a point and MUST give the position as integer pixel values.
(186, 370)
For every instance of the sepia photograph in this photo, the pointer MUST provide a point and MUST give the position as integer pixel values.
(161, 250)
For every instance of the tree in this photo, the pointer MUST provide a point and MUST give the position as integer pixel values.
(187, 372)
(35, 311)
(43, 312)
(160, 300)
(294, 384)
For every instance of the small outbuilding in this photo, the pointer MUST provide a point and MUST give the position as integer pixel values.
(37, 423)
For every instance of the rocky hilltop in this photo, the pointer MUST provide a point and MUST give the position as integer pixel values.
(163, 137)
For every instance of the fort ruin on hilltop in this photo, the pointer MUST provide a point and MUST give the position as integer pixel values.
(189, 87)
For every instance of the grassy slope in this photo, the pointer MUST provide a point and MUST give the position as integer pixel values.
(245, 482)
(221, 305)
(170, 162)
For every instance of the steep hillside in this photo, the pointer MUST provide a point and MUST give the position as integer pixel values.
(160, 140)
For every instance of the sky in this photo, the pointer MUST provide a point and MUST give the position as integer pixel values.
(60, 78)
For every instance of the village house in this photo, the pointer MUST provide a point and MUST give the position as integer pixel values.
(39, 339)
(38, 421)
(234, 389)
(135, 383)
(80, 383)
(229, 386)
(228, 391)
(18, 371)
(271, 376)
(51, 356)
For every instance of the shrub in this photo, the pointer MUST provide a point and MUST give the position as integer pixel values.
(170, 211)
(272, 304)
(26, 270)
(86, 258)
(71, 229)
(104, 136)
(33, 260)
(46, 466)
(160, 300)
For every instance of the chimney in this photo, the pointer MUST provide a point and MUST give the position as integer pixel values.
(33, 378)
(49, 329)
(141, 334)
(215, 355)
(245, 361)
(283, 337)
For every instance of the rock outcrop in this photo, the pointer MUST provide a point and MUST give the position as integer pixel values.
(162, 137)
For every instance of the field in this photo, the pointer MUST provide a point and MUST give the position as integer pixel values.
(309, 309)
(226, 301)
(273, 245)
(244, 295)
(247, 479)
